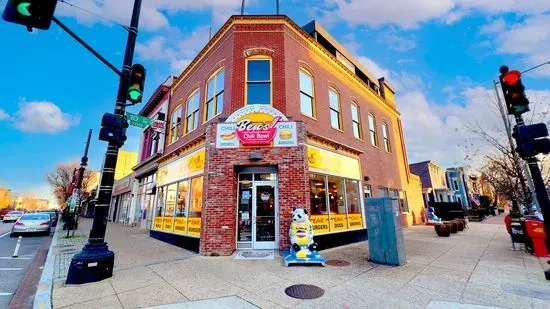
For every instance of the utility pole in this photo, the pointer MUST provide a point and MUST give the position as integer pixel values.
(95, 262)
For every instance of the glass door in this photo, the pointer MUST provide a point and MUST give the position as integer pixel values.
(265, 215)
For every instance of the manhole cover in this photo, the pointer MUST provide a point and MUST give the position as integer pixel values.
(337, 263)
(304, 291)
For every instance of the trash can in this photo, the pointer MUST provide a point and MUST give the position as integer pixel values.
(518, 235)
(535, 231)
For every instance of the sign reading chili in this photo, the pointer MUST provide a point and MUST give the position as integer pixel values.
(256, 125)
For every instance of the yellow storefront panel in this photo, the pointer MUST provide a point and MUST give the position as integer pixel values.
(168, 224)
(355, 221)
(194, 228)
(338, 223)
(328, 162)
(158, 223)
(183, 167)
(320, 224)
(180, 225)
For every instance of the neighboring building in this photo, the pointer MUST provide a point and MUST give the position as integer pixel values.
(151, 147)
(124, 164)
(270, 116)
(415, 201)
(121, 200)
(434, 183)
(456, 178)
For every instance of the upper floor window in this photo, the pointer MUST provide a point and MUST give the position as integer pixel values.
(258, 81)
(386, 134)
(192, 113)
(356, 121)
(214, 95)
(334, 101)
(306, 94)
(175, 124)
(372, 130)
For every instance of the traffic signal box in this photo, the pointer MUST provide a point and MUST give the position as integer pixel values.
(113, 129)
(514, 91)
(531, 140)
(31, 13)
(137, 81)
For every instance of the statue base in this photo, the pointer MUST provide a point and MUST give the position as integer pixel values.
(304, 256)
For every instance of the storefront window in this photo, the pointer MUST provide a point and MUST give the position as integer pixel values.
(265, 177)
(159, 210)
(355, 219)
(180, 221)
(319, 210)
(338, 218)
(195, 207)
(170, 207)
(244, 232)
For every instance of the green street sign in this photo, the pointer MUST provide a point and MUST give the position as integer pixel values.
(138, 121)
(23, 8)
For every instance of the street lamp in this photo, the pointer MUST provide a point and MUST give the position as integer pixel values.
(508, 127)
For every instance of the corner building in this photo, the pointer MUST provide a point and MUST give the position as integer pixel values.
(270, 116)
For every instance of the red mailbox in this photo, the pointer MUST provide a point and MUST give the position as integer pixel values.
(535, 231)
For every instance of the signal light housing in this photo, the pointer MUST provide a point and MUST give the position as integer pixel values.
(31, 13)
(136, 83)
(514, 91)
(113, 129)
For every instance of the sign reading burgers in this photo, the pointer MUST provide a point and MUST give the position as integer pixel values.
(256, 125)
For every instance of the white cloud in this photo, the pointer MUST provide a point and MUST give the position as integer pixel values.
(42, 117)
(4, 115)
(373, 67)
(406, 14)
(153, 14)
(398, 43)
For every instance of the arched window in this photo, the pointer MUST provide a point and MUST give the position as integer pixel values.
(356, 121)
(192, 112)
(258, 80)
(307, 97)
(372, 130)
(214, 95)
(335, 114)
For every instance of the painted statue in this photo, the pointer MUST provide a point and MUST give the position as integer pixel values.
(432, 218)
(303, 249)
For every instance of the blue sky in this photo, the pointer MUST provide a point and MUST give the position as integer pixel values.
(440, 55)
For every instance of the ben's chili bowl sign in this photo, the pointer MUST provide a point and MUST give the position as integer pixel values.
(256, 125)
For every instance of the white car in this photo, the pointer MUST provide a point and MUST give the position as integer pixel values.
(12, 216)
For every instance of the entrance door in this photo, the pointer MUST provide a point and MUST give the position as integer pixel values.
(265, 215)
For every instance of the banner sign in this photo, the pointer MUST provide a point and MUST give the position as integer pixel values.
(138, 121)
(158, 126)
(256, 125)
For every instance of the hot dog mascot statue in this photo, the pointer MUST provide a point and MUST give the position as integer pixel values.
(303, 250)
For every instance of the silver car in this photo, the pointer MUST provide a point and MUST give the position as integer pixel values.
(12, 216)
(32, 223)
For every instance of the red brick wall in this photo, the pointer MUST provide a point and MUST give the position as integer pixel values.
(220, 190)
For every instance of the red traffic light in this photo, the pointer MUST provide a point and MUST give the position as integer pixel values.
(512, 77)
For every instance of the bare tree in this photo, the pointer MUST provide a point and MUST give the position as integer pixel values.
(62, 177)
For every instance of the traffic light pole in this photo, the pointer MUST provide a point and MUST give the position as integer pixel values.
(95, 262)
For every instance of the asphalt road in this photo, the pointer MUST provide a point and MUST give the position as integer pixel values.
(13, 270)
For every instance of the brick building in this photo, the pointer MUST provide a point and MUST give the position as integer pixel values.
(271, 116)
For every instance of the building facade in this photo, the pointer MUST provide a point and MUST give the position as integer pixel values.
(456, 178)
(434, 182)
(151, 148)
(270, 116)
(121, 200)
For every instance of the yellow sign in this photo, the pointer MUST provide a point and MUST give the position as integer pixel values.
(125, 161)
(183, 167)
(158, 223)
(168, 224)
(194, 226)
(355, 221)
(338, 223)
(180, 225)
(324, 161)
(320, 224)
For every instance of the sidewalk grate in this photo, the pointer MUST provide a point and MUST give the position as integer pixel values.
(337, 263)
(304, 291)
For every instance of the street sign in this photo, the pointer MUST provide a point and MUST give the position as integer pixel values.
(138, 121)
(159, 126)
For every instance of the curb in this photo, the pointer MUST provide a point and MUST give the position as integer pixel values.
(43, 297)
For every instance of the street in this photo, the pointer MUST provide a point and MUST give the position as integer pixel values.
(24, 268)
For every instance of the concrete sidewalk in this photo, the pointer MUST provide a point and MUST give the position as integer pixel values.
(472, 267)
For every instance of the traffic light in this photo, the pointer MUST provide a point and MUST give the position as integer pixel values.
(531, 140)
(31, 13)
(514, 91)
(113, 129)
(137, 80)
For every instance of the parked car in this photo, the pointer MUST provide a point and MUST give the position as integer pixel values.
(32, 223)
(52, 213)
(4, 211)
(12, 216)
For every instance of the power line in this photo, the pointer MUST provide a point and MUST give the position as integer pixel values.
(92, 13)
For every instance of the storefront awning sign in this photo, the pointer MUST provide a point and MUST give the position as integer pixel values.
(256, 125)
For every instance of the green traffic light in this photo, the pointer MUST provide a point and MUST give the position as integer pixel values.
(134, 93)
(23, 8)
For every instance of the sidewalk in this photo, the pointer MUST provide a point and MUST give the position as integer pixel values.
(471, 267)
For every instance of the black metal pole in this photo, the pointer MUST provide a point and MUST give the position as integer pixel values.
(96, 261)
(277, 6)
(242, 7)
